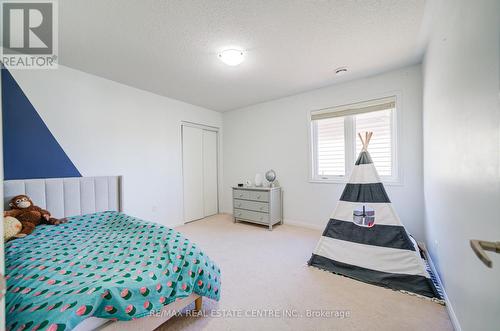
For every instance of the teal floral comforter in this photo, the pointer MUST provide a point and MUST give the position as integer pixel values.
(107, 265)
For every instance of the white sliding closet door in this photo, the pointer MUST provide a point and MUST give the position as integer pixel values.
(210, 172)
(199, 165)
(192, 171)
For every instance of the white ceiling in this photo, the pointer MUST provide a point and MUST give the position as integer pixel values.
(169, 47)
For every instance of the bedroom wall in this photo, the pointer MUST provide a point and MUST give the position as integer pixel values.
(2, 254)
(275, 135)
(462, 155)
(26, 139)
(107, 128)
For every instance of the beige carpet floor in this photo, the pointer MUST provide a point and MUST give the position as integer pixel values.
(265, 272)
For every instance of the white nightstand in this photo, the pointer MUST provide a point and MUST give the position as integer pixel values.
(261, 205)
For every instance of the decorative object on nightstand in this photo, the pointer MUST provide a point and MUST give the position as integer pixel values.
(271, 177)
(258, 180)
(261, 205)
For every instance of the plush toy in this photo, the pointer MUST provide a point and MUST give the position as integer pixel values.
(11, 228)
(30, 215)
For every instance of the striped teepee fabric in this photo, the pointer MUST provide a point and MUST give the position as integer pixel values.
(366, 240)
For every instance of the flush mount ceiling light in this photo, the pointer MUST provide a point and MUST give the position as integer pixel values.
(340, 71)
(232, 56)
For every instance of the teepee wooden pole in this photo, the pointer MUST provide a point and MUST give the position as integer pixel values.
(361, 138)
(369, 138)
(366, 141)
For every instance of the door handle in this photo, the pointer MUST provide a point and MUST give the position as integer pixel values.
(480, 246)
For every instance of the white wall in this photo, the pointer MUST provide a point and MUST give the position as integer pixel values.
(107, 128)
(2, 255)
(461, 154)
(275, 135)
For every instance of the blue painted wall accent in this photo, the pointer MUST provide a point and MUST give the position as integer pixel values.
(29, 148)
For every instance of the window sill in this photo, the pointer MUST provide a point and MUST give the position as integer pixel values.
(391, 182)
(328, 181)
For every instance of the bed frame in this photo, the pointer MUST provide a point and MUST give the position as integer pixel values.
(65, 197)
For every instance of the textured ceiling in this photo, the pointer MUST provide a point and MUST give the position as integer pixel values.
(169, 47)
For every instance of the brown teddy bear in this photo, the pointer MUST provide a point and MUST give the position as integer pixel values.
(30, 215)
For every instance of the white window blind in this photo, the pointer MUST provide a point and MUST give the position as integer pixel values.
(335, 145)
(380, 148)
(330, 147)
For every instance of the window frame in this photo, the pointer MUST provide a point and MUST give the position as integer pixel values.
(350, 144)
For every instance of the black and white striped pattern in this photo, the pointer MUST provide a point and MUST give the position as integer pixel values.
(383, 254)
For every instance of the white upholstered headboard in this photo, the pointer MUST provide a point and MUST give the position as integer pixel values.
(64, 197)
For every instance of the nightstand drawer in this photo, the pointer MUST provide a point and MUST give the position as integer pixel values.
(241, 194)
(259, 196)
(251, 205)
(251, 215)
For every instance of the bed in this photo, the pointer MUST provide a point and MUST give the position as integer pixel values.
(103, 269)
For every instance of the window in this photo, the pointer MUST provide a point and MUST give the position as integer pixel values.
(380, 148)
(331, 147)
(335, 145)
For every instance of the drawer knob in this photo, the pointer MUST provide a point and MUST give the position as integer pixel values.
(241, 194)
(239, 214)
(239, 205)
(258, 197)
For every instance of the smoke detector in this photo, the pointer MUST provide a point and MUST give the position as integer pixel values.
(340, 71)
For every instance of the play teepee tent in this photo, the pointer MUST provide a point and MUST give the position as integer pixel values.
(365, 239)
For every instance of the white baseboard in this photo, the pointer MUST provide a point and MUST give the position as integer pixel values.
(449, 307)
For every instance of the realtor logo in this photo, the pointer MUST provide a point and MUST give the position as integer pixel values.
(29, 34)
